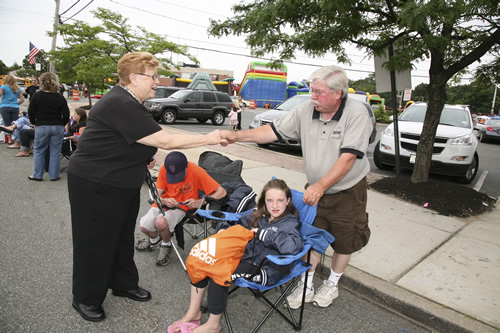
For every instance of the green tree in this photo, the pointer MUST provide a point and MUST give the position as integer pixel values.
(91, 53)
(451, 34)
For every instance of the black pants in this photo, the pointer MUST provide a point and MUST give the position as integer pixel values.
(217, 294)
(103, 221)
(239, 121)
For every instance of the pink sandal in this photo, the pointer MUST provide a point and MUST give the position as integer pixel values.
(189, 327)
(178, 326)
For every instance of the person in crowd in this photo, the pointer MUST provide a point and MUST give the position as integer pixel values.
(15, 129)
(49, 113)
(178, 184)
(277, 231)
(74, 128)
(105, 175)
(12, 96)
(240, 107)
(233, 116)
(334, 132)
(32, 89)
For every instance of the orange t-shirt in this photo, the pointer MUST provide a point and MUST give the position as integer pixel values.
(196, 179)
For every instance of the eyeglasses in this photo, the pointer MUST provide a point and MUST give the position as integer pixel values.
(153, 76)
(319, 92)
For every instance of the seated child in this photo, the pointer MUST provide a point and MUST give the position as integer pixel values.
(277, 231)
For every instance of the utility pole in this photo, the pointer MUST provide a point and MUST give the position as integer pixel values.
(54, 38)
(494, 100)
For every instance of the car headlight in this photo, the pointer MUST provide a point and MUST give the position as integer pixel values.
(255, 121)
(463, 140)
(389, 131)
(155, 105)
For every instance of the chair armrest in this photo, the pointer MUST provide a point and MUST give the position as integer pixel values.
(280, 259)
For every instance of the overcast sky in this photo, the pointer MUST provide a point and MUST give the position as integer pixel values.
(184, 22)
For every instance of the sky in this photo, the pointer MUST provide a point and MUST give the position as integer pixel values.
(183, 22)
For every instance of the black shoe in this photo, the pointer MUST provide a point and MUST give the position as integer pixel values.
(139, 294)
(90, 312)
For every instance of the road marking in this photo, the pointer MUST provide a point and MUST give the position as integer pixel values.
(480, 181)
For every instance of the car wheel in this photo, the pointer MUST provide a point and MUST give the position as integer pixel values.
(376, 159)
(471, 171)
(482, 136)
(218, 118)
(202, 120)
(168, 117)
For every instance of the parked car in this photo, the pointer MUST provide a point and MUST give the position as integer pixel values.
(454, 152)
(245, 102)
(187, 103)
(488, 130)
(280, 110)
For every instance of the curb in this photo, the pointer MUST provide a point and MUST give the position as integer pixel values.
(435, 316)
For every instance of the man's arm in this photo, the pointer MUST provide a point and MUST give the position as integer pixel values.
(219, 193)
(262, 134)
(315, 191)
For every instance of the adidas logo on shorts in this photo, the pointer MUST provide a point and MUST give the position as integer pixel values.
(205, 251)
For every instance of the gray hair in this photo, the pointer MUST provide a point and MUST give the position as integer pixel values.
(334, 77)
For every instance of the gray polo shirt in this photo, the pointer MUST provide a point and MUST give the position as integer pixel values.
(348, 131)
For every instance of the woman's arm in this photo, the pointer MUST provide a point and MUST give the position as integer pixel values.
(162, 139)
(21, 97)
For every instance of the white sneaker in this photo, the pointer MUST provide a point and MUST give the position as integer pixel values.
(295, 298)
(325, 294)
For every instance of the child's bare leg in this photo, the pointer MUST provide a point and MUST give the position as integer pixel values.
(194, 311)
(211, 326)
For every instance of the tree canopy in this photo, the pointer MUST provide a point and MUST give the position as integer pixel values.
(451, 34)
(91, 53)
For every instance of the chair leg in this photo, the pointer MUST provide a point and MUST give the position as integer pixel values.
(228, 322)
(179, 256)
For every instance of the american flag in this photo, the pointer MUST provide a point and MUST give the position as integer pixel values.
(33, 52)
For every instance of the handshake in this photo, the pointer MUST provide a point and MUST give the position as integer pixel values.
(223, 138)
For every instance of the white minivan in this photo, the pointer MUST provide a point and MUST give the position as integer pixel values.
(454, 152)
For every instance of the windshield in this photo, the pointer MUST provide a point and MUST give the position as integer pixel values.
(293, 102)
(449, 117)
(179, 94)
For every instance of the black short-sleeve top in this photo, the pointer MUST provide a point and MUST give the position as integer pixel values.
(107, 150)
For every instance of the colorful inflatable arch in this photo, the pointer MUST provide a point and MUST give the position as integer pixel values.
(295, 88)
(263, 85)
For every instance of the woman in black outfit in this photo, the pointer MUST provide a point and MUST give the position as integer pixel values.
(74, 129)
(105, 175)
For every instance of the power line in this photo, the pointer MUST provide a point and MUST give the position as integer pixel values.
(73, 5)
(78, 11)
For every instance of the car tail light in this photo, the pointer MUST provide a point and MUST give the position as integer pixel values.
(490, 129)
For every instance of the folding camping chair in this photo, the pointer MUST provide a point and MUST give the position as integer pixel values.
(227, 173)
(314, 239)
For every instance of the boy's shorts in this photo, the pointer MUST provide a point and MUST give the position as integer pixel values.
(173, 216)
(344, 215)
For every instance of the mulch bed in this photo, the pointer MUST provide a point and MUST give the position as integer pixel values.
(446, 198)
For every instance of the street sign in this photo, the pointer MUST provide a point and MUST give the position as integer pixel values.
(407, 95)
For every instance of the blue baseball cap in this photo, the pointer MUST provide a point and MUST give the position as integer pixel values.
(176, 164)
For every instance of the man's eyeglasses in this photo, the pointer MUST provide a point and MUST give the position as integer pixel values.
(153, 76)
(319, 92)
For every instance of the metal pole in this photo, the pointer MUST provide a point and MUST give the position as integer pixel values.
(54, 38)
(494, 100)
(395, 114)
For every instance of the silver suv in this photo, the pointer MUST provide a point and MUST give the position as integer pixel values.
(187, 103)
(454, 151)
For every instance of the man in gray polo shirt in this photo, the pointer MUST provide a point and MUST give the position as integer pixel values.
(334, 131)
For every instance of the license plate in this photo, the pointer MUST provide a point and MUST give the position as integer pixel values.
(413, 158)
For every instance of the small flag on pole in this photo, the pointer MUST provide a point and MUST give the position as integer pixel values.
(33, 52)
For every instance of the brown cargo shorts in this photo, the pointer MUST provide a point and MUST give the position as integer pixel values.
(344, 216)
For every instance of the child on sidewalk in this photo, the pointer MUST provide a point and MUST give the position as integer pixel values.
(233, 116)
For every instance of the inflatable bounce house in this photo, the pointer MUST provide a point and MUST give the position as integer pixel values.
(263, 85)
(295, 88)
(202, 81)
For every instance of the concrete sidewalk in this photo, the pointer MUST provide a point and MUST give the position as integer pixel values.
(441, 271)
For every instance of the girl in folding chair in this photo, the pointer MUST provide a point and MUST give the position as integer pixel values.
(276, 230)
